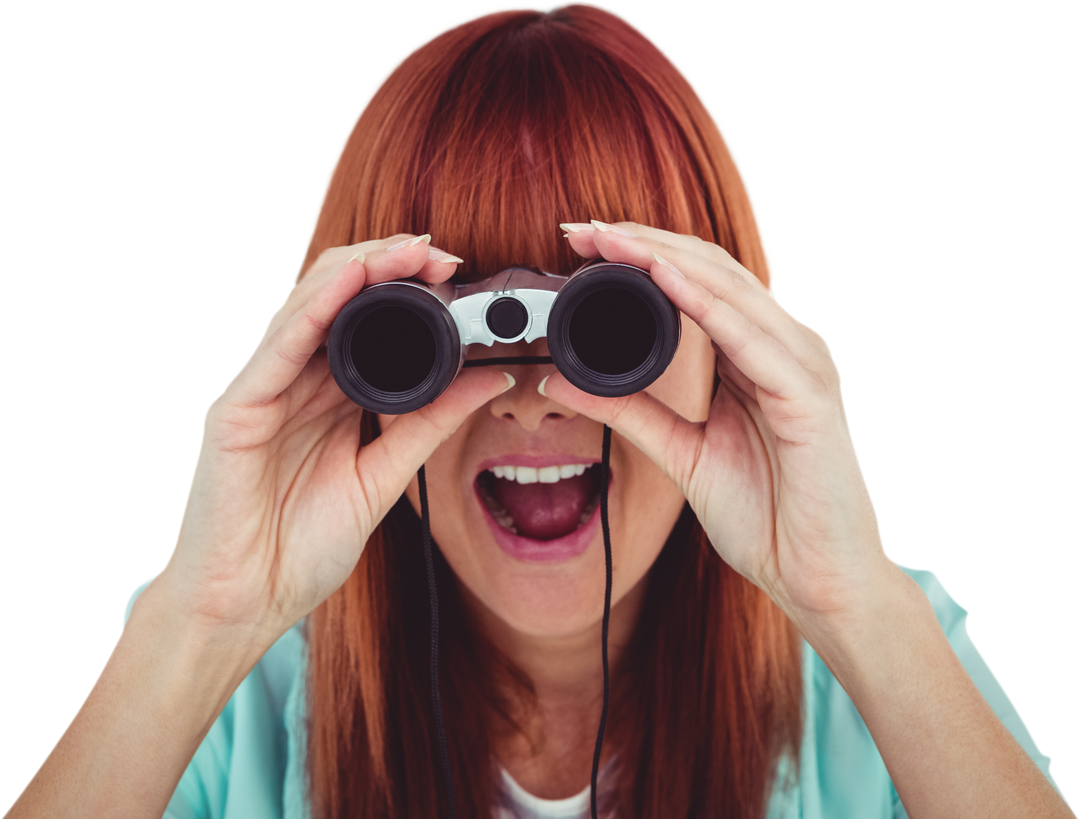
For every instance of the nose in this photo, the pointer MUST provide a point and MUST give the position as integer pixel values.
(523, 402)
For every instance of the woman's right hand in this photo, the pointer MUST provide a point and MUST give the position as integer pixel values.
(284, 497)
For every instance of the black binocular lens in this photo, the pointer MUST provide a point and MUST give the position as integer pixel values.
(610, 345)
(394, 348)
(403, 331)
(612, 331)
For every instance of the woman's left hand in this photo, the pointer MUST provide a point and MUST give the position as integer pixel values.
(771, 474)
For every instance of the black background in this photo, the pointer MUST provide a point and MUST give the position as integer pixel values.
(165, 186)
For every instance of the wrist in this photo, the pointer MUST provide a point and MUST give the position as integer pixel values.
(233, 612)
(868, 635)
(194, 656)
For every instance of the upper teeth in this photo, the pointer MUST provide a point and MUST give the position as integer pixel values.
(543, 474)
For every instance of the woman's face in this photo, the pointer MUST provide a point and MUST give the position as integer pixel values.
(514, 496)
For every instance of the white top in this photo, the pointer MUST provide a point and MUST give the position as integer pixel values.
(518, 803)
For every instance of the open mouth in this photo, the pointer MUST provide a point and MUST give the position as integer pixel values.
(540, 503)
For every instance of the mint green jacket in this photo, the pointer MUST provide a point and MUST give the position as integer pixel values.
(251, 763)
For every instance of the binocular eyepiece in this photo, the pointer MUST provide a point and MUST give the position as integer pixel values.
(397, 345)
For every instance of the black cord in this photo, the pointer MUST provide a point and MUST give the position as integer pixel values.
(429, 559)
(512, 359)
(604, 474)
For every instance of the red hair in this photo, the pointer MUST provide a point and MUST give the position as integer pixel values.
(487, 138)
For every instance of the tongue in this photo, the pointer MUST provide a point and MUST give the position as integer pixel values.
(545, 511)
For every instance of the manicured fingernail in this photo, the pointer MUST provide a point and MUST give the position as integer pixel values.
(604, 227)
(540, 386)
(575, 227)
(442, 256)
(410, 242)
(510, 382)
(661, 260)
(359, 257)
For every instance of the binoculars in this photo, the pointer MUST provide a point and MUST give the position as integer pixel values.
(397, 345)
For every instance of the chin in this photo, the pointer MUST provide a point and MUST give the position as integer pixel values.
(555, 603)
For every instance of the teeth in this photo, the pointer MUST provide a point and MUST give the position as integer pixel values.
(544, 474)
(498, 511)
(505, 521)
(587, 512)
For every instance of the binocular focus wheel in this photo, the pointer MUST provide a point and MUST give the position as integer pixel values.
(611, 330)
(394, 348)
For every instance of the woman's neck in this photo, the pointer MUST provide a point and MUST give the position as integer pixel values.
(552, 756)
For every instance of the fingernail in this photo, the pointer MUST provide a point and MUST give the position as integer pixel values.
(510, 382)
(575, 227)
(604, 227)
(410, 242)
(359, 257)
(661, 260)
(442, 256)
(540, 386)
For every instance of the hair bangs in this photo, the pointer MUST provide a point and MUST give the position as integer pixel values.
(533, 121)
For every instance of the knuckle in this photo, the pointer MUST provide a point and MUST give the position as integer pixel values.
(823, 348)
(699, 305)
(617, 409)
(666, 249)
(436, 421)
(816, 341)
(824, 390)
(214, 413)
(330, 257)
(324, 260)
(290, 357)
(327, 256)
(219, 418)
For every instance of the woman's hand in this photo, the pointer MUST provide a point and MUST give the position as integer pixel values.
(772, 473)
(284, 497)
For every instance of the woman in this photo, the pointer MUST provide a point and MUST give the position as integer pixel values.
(767, 658)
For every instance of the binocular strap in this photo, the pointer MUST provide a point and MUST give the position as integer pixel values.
(513, 359)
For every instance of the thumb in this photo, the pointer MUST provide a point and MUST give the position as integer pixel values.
(389, 462)
(667, 438)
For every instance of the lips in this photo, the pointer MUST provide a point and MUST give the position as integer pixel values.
(545, 512)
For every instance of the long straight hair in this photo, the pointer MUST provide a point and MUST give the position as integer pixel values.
(487, 138)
